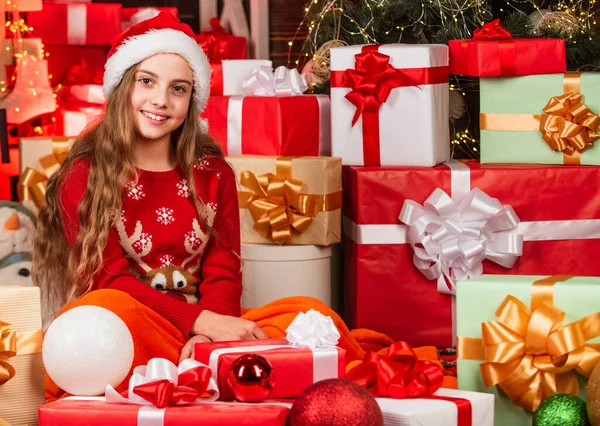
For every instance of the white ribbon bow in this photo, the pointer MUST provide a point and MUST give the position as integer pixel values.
(450, 240)
(313, 330)
(264, 81)
(160, 369)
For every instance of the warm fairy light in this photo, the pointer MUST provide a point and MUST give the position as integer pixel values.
(17, 109)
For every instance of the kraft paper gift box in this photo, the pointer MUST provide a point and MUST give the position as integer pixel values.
(40, 158)
(307, 212)
(385, 290)
(501, 314)
(545, 119)
(21, 367)
(389, 104)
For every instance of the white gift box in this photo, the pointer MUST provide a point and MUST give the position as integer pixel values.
(75, 122)
(235, 71)
(409, 128)
(430, 411)
(272, 272)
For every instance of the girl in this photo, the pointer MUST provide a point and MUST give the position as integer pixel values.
(145, 202)
(142, 218)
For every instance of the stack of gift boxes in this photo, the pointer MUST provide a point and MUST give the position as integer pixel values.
(422, 233)
(418, 240)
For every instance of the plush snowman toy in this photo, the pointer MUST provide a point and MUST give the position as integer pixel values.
(17, 231)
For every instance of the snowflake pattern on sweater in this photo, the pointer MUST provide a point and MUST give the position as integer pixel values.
(143, 254)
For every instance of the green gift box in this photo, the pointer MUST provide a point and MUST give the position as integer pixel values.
(511, 111)
(479, 300)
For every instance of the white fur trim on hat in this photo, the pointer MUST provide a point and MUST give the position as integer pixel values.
(135, 49)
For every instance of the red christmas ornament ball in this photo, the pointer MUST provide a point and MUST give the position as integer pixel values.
(335, 402)
(251, 378)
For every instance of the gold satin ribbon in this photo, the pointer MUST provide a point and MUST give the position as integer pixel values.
(32, 183)
(567, 125)
(528, 353)
(16, 343)
(276, 204)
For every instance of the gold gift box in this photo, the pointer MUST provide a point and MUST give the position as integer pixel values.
(289, 200)
(40, 158)
(21, 321)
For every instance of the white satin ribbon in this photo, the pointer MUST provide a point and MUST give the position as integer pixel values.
(451, 239)
(324, 126)
(76, 24)
(452, 235)
(312, 330)
(281, 82)
(159, 369)
(234, 125)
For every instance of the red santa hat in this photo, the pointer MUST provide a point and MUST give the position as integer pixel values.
(161, 34)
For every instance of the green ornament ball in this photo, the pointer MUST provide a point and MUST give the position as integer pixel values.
(561, 410)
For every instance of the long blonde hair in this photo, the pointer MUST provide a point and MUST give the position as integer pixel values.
(64, 273)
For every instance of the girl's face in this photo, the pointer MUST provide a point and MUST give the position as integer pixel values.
(161, 95)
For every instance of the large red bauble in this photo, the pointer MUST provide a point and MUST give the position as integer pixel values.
(251, 378)
(335, 402)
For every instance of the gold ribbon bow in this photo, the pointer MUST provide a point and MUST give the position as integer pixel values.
(33, 183)
(567, 125)
(14, 343)
(276, 204)
(8, 349)
(528, 353)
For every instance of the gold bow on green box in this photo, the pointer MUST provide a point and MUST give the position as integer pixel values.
(289, 200)
(546, 119)
(526, 339)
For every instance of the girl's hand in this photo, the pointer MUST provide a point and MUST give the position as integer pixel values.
(220, 328)
(188, 348)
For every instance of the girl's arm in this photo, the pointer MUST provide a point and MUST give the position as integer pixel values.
(221, 271)
(114, 273)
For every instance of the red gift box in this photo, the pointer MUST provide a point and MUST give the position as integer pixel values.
(270, 125)
(96, 412)
(93, 24)
(492, 52)
(559, 212)
(9, 171)
(218, 44)
(129, 18)
(63, 59)
(295, 369)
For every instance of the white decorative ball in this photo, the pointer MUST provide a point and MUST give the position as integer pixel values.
(87, 348)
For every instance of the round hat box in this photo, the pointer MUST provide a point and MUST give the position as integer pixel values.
(272, 272)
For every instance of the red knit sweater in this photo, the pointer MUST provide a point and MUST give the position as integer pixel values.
(159, 237)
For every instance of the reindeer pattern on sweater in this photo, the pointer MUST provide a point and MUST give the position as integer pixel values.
(161, 234)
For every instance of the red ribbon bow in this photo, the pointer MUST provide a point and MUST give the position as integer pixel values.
(492, 31)
(214, 42)
(192, 384)
(400, 374)
(372, 80)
